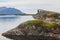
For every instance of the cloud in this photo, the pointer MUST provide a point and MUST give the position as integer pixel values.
(8, 0)
(30, 6)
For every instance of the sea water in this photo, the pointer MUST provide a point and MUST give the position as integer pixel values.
(10, 22)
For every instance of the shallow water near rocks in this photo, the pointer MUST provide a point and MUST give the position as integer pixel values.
(8, 23)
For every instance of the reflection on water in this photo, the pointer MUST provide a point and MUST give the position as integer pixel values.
(8, 18)
(8, 23)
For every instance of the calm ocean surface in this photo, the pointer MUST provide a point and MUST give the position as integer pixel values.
(10, 22)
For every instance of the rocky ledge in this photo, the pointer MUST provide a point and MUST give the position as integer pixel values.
(34, 30)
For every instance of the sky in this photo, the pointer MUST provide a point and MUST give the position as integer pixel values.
(31, 6)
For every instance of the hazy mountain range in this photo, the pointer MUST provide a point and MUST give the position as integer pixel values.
(5, 10)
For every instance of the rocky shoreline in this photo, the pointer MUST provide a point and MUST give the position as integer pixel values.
(39, 29)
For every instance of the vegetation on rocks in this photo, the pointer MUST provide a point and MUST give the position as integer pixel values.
(40, 23)
(54, 15)
(35, 22)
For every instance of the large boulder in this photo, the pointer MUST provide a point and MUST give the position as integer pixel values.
(32, 30)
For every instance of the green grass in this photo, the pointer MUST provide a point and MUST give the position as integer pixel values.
(40, 23)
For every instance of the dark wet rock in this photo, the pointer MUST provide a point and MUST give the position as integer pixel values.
(32, 30)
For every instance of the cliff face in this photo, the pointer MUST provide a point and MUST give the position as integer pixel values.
(34, 30)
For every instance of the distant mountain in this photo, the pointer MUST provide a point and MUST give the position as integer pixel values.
(5, 10)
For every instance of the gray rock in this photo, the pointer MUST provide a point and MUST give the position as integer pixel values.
(40, 14)
(26, 31)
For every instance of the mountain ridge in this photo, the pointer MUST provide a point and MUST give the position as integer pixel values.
(5, 10)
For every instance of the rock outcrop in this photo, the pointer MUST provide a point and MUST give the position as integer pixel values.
(47, 16)
(34, 30)
(43, 14)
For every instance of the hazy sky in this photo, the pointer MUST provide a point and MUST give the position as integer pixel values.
(30, 6)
